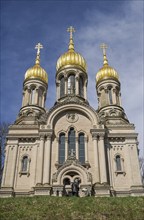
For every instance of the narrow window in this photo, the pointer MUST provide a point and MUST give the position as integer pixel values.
(81, 142)
(71, 141)
(81, 92)
(61, 148)
(62, 87)
(110, 96)
(118, 163)
(25, 164)
(71, 84)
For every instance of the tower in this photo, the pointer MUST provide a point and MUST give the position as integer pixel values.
(35, 87)
(108, 93)
(120, 141)
(71, 74)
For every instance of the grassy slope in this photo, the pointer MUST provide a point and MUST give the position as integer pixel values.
(72, 208)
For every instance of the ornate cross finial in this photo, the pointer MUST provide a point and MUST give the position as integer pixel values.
(103, 46)
(71, 30)
(72, 152)
(38, 47)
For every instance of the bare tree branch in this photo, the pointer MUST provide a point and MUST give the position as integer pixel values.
(3, 133)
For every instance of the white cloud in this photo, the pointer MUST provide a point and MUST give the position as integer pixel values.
(124, 36)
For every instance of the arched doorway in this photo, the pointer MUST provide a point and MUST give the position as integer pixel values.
(71, 182)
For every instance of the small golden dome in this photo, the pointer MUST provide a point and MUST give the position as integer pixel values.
(106, 72)
(37, 72)
(71, 57)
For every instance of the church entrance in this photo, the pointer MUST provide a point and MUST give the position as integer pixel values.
(71, 182)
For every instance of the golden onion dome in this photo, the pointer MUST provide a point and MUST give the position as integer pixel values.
(37, 72)
(71, 57)
(106, 72)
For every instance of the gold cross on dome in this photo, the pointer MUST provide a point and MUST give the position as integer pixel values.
(71, 30)
(38, 47)
(103, 46)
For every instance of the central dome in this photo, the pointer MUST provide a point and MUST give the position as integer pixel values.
(71, 58)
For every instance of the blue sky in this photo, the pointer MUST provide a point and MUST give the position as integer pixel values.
(117, 23)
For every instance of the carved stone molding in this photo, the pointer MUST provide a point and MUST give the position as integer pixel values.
(42, 136)
(94, 135)
(101, 135)
(72, 117)
(26, 140)
(116, 139)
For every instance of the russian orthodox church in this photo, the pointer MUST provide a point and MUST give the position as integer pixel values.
(48, 150)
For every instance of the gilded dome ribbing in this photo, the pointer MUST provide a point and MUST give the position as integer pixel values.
(37, 72)
(71, 57)
(106, 72)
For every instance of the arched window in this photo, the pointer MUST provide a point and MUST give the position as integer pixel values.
(118, 163)
(62, 87)
(81, 141)
(24, 164)
(71, 141)
(110, 96)
(71, 84)
(81, 86)
(32, 96)
(61, 148)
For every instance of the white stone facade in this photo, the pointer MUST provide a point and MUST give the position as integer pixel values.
(104, 160)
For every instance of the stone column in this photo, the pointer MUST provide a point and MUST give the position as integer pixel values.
(102, 159)
(86, 149)
(27, 94)
(5, 165)
(14, 150)
(43, 99)
(57, 150)
(120, 101)
(85, 89)
(106, 96)
(23, 99)
(40, 160)
(77, 149)
(96, 156)
(114, 97)
(77, 85)
(58, 90)
(47, 160)
(66, 148)
(66, 85)
(29, 97)
(99, 102)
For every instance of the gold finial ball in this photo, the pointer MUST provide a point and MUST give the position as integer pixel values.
(106, 72)
(36, 72)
